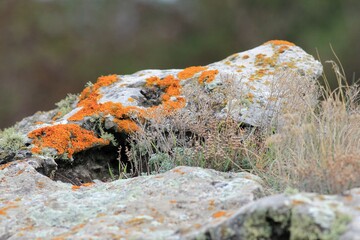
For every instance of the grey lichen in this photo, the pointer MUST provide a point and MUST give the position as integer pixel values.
(11, 140)
(66, 104)
(304, 226)
(267, 224)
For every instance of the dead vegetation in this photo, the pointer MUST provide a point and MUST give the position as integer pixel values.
(311, 143)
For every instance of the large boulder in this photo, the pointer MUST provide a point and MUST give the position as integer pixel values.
(117, 102)
(291, 216)
(164, 206)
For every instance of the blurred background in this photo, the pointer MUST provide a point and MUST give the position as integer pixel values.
(49, 48)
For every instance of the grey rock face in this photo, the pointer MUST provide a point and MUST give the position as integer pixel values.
(118, 100)
(292, 216)
(164, 206)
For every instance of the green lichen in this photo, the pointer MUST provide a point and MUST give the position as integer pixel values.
(267, 224)
(66, 104)
(11, 140)
(304, 226)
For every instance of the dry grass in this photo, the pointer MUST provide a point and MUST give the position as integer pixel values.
(318, 148)
(309, 144)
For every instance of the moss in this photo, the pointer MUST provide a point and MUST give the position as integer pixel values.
(11, 140)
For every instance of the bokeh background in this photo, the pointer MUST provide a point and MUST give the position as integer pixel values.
(49, 48)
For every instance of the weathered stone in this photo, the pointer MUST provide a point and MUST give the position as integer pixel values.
(115, 102)
(291, 216)
(164, 206)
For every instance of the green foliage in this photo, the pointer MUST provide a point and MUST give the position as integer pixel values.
(11, 140)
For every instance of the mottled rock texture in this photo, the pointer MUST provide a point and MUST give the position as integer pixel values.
(292, 216)
(118, 102)
(164, 206)
(76, 143)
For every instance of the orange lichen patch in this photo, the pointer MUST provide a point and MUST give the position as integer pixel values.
(38, 122)
(20, 172)
(245, 57)
(105, 81)
(259, 74)
(3, 210)
(219, 214)
(89, 99)
(130, 99)
(297, 202)
(75, 187)
(190, 72)
(172, 88)
(65, 138)
(5, 165)
(208, 76)
(173, 201)
(250, 96)
(279, 42)
(126, 125)
(283, 48)
(178, 171)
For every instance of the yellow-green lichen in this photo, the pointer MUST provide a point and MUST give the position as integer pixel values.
(303, 226)
(11, 140)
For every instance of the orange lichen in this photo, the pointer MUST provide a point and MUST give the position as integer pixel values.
(3, 166)
(3, 210)
(190, 72)
(283, 48)
(171, 99)
(250, 96)
(130, 99)
(90, 106)
(178, 171)
(76, 187)
(245, 57)
(279, 42)
(126, 125)
(64, 138)
(105, 81)
(219, 214)
(208, 76)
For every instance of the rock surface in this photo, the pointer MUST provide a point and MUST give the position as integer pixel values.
(164, 206)
(292, 216)
(75, 143)
(184, 203)
(117, 102)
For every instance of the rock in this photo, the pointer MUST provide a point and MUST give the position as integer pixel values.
(115, 103)
(164, 206)
(291, 216)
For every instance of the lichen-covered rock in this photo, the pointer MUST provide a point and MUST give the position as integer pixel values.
(164, 206)
(291, 216)
(115, 103)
